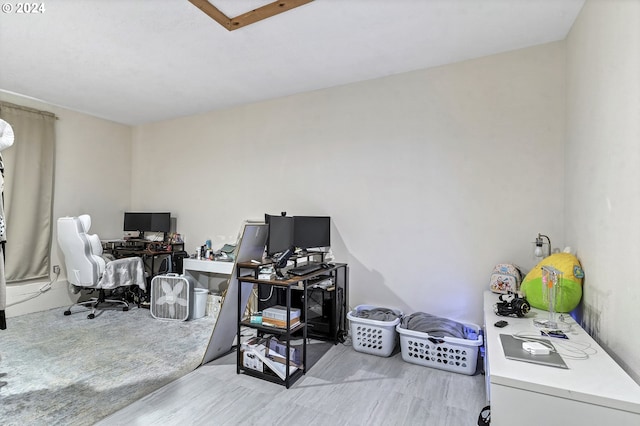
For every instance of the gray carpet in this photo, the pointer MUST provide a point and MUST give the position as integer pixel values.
(74, 371)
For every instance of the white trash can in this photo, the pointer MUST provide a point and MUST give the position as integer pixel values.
(199, 303)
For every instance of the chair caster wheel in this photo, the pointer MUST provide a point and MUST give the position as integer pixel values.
(126, 308)
(91, 316)
(67, 312)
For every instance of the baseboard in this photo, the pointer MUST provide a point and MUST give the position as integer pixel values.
(21, 300)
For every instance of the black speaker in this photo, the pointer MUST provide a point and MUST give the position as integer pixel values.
(178, 258)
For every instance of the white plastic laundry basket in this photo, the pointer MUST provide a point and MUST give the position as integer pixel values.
(371, 336)
(445, 353)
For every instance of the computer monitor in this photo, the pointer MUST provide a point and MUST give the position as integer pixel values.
(147, 222)
(311, 231)
(160, 222)
(280, 237)
(136, 222)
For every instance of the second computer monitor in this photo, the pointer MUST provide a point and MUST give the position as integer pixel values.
(311, 231)
(147, 222)
(280, 237)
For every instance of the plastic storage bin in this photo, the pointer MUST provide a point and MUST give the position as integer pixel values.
(445, 353)
(373, 337)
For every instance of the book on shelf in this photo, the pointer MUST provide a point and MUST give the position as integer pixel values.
(270, 322)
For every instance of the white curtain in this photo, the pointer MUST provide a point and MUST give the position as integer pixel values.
(28, 192)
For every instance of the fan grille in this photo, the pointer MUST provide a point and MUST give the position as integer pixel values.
(170, 298)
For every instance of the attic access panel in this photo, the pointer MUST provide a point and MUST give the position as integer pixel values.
(247, 18)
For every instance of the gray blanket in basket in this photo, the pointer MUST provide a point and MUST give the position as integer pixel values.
(435, 326)
(377, 314)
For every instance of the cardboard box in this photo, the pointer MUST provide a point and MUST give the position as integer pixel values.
(251, 360)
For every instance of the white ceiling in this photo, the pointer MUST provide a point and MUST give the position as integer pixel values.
(138, 61)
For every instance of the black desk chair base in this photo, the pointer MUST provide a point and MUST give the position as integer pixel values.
(96, 303)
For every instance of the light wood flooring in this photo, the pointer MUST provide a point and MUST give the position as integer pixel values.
(344, 387)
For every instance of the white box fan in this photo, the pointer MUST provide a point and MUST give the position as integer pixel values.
(170, 297)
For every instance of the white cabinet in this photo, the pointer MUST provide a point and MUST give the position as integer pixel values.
(592, 391)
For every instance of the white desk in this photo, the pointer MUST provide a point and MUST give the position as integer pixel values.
(203, 270)
(213, 266)
(594, 391)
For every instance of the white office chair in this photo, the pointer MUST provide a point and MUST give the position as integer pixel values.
(87, 268)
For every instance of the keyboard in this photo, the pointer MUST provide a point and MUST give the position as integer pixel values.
(132, 248)
(309, 268)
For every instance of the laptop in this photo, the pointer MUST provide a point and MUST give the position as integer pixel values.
(512, 347)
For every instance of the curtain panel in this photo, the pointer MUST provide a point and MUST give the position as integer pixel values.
(28, 192)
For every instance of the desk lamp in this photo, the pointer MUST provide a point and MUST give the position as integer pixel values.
(539, 250)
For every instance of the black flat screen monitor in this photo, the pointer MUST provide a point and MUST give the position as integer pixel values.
(280, 236)
(147, 222)
(311, 231)
(136, 222)
(160, 222)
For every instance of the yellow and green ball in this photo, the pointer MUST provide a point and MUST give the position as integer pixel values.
(570, 287)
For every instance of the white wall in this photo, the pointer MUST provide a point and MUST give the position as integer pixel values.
(430, 177)
(92, 175)
(603, 173)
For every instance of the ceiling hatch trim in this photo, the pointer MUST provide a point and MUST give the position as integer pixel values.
(250, 17)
